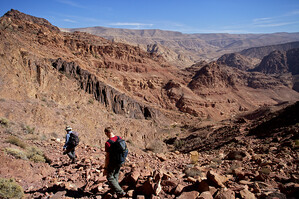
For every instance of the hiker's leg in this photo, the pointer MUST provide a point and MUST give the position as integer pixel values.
(116, 172)
(112, 173)
(71, 153)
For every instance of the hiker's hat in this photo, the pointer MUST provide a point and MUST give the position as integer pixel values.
(68, 128)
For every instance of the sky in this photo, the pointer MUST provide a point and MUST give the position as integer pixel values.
(186, 16)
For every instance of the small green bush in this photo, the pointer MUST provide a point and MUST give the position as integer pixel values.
(35, 154)
(10, 189)
(156, 146)
(29, 130)
(4, 122)
(16, 141)
(17, 153)
(37, 158)
(178, 144)
(192, 172)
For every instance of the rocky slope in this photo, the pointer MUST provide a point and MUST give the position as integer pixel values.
(50, 79)
(190, 48)
(235, 160)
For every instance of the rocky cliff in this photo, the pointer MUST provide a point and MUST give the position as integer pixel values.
(115, 101)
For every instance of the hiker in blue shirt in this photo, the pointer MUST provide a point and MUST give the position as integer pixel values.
(71, 141)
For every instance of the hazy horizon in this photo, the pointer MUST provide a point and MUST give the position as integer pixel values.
(191, 16)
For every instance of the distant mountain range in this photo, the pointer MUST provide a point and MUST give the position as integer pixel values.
(184, 50)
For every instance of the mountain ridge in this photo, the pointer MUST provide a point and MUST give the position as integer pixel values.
(195, 47)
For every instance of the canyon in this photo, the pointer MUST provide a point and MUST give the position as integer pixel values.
(220, 97)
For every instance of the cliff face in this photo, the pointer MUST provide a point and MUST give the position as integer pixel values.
(115, 101)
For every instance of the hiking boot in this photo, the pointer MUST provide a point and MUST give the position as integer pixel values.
(120, 195)
(74, 161)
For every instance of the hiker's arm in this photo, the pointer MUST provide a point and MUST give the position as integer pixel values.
(106, 163)
(67, 137)
(106, 160)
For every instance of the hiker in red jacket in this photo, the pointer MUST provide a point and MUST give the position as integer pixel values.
(111, 168)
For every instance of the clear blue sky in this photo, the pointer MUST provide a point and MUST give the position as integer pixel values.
(187, 16)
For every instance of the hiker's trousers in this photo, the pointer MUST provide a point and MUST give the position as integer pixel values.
(70, 151)
(112, 177)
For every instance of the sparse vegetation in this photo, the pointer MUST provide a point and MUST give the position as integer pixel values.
(178, 144)
(54, 134)
(16, 141)
(192, 172)
(35, 154)
(28, 129)
(10, 189)
(4, 122)
(17, 153)
(32, 153)
(156, 146)
(90, 101)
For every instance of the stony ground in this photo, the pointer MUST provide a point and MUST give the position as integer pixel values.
(245, 167)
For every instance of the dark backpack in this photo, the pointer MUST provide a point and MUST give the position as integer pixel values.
(118, 151)
(74, 139)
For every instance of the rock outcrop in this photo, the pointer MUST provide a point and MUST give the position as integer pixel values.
(235, 60)
(274, 63)
(115, 101)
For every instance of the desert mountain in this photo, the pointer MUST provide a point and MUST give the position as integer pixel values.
(187, 49)
(50, 79)
(63, 76)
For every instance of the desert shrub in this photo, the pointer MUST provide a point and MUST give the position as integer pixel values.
(17, 153)
(16, 141)
(32, 137)
(4, 122)
(54, 135)
(35, 154)
(156, 146)
(265, 170)
(178, 144)
(43, 137)
(37, 158)
(10, 189)
(28, 129)
(192, 172)
(90, 101)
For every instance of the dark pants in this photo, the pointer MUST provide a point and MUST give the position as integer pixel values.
(112, 177)
(70, 151)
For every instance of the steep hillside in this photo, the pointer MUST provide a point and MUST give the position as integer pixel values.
(190, 48)
(50, 79)
(252, 57)
(236, 60)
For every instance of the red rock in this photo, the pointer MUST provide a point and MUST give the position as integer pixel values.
(246, 194)
(203, 186)
(189, 195)
(225, 194)
(178, 190)
(205, 195)
(216, 179)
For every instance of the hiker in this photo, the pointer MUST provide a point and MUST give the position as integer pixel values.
(114, 161)
(71, 141)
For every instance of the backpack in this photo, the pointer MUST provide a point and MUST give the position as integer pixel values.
(118, 151)
(74, 139)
